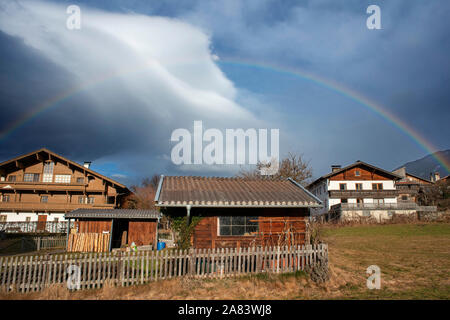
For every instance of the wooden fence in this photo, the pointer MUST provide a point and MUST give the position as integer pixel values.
(34, 273)
(43, 243)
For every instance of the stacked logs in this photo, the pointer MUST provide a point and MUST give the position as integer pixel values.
(88, 242)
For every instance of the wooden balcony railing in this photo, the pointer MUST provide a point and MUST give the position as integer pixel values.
(50, 207)
(363, 193)
(382, 206)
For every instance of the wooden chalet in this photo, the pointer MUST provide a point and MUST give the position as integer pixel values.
(42, 186)
(112, 228)
(237, 212)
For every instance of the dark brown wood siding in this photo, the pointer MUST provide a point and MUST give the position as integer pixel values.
(94, 226)
(141, 232)
(277, 226)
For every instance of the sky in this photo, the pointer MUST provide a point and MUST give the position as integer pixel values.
(113, 91)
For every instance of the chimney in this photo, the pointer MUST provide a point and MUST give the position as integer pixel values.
(335, 167)
(431, 177)
(437, 176)
(87, 164)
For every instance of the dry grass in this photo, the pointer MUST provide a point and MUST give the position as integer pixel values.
(414, 261)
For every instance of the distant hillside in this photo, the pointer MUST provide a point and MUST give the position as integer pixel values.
(424, 166)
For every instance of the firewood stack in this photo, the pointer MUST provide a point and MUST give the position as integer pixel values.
(88, 242)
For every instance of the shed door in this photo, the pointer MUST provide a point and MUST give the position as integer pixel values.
(42, 221)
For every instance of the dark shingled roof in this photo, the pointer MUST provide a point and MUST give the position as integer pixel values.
(113, 213)
(232, 192)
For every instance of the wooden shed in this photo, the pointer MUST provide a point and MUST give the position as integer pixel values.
(107, 229)
(238, 212)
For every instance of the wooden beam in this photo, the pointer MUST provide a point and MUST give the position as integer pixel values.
(19, 165)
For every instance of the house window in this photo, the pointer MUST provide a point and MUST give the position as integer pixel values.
(80, 180)
(344, 200)
(357, 173)
(5, 198)
(377, 186)
(44, 199)
(404, 198)
(28, 219)
(359, 186)
(81, 199)
(62, 178)
(3, 218)
(90, 200)
(12, 179)
(378, 201)
(48, 172)
(56, 219)
(342, 186)
(359, 201)
(237, 226)
(31, 177)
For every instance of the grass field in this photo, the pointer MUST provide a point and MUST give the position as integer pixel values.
(414, 261)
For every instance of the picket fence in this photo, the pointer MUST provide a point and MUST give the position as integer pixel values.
(92, 270)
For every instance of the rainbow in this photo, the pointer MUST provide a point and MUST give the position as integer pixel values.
(394, 120)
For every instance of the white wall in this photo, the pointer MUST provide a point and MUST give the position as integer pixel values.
(366, 185)
(22, 216)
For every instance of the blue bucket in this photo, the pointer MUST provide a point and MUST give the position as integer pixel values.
(161, 245)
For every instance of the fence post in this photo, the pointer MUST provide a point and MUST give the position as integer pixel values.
(38, 243)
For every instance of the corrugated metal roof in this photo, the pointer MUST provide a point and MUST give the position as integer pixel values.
(232, 192)
(114, 213)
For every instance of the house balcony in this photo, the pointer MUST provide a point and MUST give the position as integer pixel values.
(50, 207)
(381, 206)
(363, 193)
(46, 187)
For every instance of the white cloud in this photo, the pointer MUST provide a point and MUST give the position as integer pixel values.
(163, 63)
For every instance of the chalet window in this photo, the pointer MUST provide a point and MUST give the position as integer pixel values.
(12, 178)
(48, 172)
(28, 219)
(359, 186)
(5, 198)
(344, 200)
(404, 198)
(342, 186)
(31, 177)
(237, 226)
(357, 173)
(359, 201)
(80, 180)
(56, 219)
(3, 218)
(81, 199)
(90, 200)
(62, 178)
(378, 201)
(44, 199)
(377, 186)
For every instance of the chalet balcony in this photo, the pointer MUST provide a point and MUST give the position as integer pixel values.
(381, 206)
(49, 207)
(47, 186)
(363, 193)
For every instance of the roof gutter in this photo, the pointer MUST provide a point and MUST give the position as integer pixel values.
(158, 191)
(303, 188)
(237, 206)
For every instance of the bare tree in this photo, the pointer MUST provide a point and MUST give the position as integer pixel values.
(292, 166)
(142, 196)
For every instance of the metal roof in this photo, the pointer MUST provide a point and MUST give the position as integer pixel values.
(180, 191)
(114, 213)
